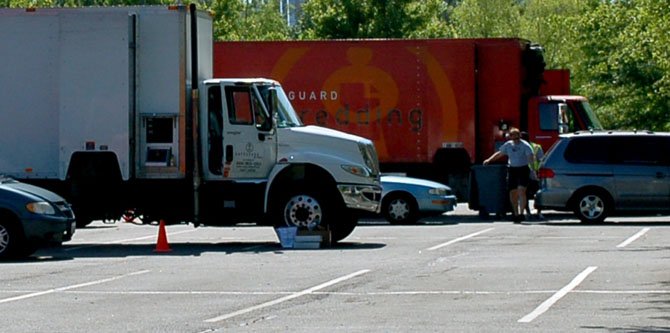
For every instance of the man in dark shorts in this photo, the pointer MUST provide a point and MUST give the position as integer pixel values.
(519, 155)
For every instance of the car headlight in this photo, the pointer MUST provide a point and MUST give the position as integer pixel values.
(356, 170)
(42, 208)
(441, 191)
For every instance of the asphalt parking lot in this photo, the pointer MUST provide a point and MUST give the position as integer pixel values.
(450, 273)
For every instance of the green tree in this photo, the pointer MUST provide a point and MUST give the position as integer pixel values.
(625, 66)
(553, 24)
(329, 19)
(248, 20)
(486, 18)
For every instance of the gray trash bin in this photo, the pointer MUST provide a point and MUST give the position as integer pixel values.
(488, 190)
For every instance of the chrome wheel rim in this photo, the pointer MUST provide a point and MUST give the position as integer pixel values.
(398, 209)
(303, 211)
(591, 207)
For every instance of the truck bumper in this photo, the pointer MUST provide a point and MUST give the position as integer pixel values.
(363, 197)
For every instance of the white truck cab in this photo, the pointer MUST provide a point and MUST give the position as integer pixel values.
(251, 134)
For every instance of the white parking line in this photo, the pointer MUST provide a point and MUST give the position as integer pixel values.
(458, 239)
(286, 298)
(86, 284)
(633, 238)
(558, 295)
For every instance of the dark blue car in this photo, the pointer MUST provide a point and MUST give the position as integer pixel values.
(31, 217)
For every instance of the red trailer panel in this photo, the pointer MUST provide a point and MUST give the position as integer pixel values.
(409, 97)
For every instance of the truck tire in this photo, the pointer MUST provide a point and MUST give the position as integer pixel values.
(310, 209)
(400, 208)
(12, 242)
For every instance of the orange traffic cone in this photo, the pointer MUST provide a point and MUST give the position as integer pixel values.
(162, 242)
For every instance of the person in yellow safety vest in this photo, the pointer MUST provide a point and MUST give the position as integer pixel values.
(534, 184)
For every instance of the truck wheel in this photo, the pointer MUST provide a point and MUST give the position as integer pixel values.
(311, 209)
(346, 223)
(592, 206)
(400, 209)
(12, 243)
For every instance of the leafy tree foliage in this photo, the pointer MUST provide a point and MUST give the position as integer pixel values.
(486, 18)
(248, 20)
(625, 65)
(553, 24)
(328, 19)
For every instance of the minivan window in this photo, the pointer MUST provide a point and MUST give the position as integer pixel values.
(640, 150)
(591, 150)
(634, 150)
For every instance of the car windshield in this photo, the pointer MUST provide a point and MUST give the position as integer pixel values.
(589, 117)
(286, 115)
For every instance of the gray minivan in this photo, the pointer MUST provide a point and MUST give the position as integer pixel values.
(597, 174)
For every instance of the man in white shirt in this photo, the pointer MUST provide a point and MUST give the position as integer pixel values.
(519, 155)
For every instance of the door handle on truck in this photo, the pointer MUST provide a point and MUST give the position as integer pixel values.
(229, 153)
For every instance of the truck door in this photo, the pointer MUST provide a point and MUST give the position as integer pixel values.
(241, 134)
(551, 119)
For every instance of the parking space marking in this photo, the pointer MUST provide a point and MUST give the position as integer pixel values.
(348, 293)
(126, 240)
(287, 298)
(633, 238)
(558, 295)
(74, 286)
(458, 239)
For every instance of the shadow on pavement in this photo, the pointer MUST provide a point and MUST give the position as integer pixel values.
(92, 250)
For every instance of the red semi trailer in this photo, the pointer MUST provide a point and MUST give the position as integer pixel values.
(433, 107)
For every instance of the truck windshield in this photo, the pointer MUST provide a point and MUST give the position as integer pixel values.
(286, 115)
(585, 112)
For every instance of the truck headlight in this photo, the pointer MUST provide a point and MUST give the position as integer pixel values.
(42, 208)
(356, 170)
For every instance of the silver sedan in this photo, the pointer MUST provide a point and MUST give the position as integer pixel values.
(405, 199)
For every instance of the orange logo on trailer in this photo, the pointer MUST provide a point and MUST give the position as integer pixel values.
(362, 98)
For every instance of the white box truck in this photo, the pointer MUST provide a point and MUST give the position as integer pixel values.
(115, 109)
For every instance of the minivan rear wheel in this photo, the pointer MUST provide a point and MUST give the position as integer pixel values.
(592, 206)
